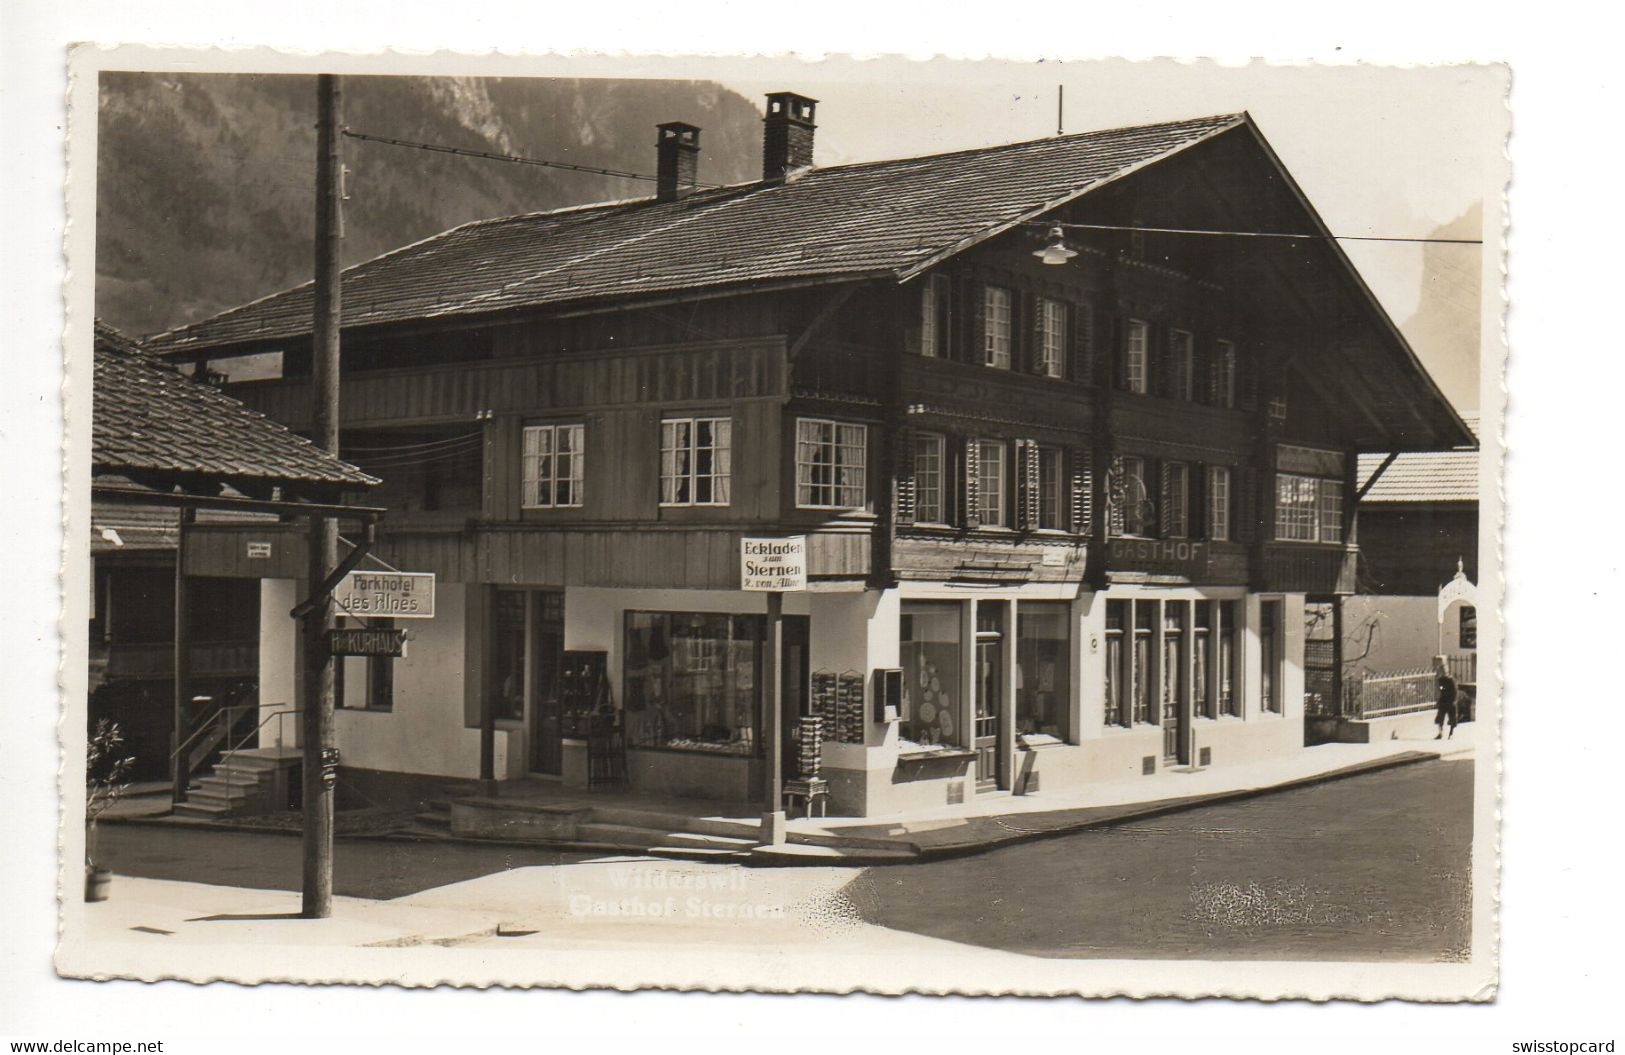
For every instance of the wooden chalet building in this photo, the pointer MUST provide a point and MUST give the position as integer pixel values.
(1080, 506)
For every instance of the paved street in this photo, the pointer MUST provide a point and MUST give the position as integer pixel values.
(1373, 867)
(1370, 867)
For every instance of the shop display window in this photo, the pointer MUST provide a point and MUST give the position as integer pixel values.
(932, 663)
(1145, 617)
(1116, 620)
(1202, 660)
(1043, 670)
(1269, 651)
(1229, 702)
(693, 680)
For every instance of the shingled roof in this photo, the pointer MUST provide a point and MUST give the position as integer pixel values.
(1424, 476)
(877, 219)
(150, 419)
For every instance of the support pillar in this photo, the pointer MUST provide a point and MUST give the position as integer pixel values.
(773, 822)
(180, 766)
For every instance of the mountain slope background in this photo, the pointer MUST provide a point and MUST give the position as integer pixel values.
(205, 182)
(1445, 327)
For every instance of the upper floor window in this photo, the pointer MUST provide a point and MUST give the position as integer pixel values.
(1051, 337)
(696, 461)
(1218, 503)
(1176, 493)
(934, 301)
(1136, 355)
(928, 465)
(552, 466)
(1224, 375)
(1049, 489)
(831, 461)
(996, 327)
(1308, 508)
(992, 492)
(1181, 363)
(1130, 497)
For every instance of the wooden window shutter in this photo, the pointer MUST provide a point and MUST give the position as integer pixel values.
(976, 348)
(1213, 366)
(1082, 330)
(1026, 347)
(1196, 501)
(1027, 466)
(1116, 497)
(1165, 500)
(972, 477)
(1117, 374)
(903, 455)
(1083, 493)
(1247, 381)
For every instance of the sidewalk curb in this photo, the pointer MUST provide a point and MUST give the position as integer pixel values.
(857, 859)
(1165, 808)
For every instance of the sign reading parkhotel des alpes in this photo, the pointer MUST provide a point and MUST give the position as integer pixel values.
(386, 595)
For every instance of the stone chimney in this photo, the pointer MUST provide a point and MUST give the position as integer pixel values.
(677, 160)
(787, 134)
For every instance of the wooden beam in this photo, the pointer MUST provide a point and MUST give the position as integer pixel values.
(1386, 462)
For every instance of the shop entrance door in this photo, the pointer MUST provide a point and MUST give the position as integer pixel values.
(990, 700)
(546, 637)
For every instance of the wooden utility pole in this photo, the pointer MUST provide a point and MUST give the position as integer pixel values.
(319, 746)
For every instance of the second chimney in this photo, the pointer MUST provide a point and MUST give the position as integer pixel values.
(787, 134)
(677, 160)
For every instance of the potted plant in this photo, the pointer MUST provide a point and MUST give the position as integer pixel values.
(107, 777)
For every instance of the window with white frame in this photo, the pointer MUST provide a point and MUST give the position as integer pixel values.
(1136, 354)
(1051, 337)
(996, 327)
(1050, 502)
(696, 461)
(1308, 508)
(551, 466)
(1134, 499)
(831, 459)
(928, 455)
(933, 309)
(1176, 493)
(1218, 503)
(1224, 375)
(991, 491)
(1181, 364)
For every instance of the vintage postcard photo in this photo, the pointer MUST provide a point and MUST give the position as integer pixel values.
(748, 523)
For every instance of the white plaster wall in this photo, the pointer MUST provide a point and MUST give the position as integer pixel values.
(279, 662)
(424, 732)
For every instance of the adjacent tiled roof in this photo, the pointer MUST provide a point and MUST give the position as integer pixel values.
(872, 219)
(125, 527)
(1425, 476)
(148, 417)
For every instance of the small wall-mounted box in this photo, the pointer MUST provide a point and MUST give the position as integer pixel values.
(888, 693)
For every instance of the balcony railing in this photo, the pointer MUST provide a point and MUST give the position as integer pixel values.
(1301, 568)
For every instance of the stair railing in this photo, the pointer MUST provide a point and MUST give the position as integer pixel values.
(195, 750)
(230, 754)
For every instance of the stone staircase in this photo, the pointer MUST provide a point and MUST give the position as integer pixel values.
(243, 782)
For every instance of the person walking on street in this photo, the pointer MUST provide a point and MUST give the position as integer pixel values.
(1445, 687)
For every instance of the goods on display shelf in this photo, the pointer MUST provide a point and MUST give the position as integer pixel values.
(823, 699)
(810, 746)
(849, 708)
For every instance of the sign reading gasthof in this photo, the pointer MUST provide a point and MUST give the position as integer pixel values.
(773, 564)
(386, 595)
